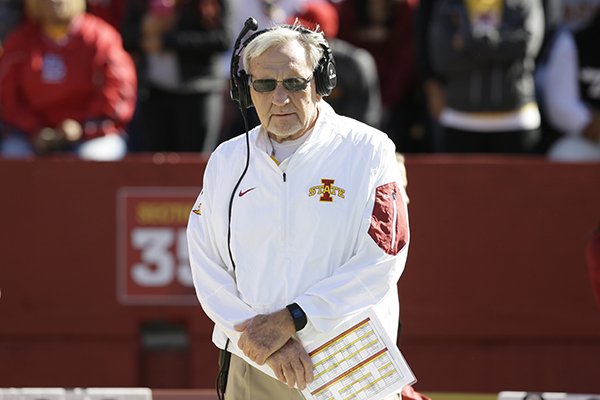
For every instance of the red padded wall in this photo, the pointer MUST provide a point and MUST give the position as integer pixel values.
(495, 295)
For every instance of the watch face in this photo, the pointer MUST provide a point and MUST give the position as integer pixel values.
(296, 313)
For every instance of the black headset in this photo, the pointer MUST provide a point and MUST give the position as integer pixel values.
(324, 73)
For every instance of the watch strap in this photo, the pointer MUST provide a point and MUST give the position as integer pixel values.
(298, 316)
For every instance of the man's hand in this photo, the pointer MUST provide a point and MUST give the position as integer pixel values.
(48, 140)
(70, 130)
(264, 334)
(292, 365)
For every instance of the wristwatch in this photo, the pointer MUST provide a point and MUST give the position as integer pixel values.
(298, 316)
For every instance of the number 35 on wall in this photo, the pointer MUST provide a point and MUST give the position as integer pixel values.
(163, 257)
(152, 256)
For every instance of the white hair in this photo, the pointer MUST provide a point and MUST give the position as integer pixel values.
(313, 43)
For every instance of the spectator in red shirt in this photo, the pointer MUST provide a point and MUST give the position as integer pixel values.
(66, 84)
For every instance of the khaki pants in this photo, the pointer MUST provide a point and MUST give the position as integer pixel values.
(245, 382)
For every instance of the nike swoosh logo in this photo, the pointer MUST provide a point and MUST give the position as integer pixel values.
(245, 191)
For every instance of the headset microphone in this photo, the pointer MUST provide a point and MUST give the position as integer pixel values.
(249, 25)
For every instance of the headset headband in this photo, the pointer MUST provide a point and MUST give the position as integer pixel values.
(324, 73)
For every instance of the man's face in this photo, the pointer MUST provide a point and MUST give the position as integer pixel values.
(57, 11)
(285, 114)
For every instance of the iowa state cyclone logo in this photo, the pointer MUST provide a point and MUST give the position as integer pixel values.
(326, 191)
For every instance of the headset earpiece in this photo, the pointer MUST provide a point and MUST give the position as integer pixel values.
(234, 92)
(325, 73)
(245, 99)
(240, 89)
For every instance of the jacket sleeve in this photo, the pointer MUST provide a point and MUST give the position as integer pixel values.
(214, 281)
(375, 268)
(13, 110)
(116, 90)
(562, 99)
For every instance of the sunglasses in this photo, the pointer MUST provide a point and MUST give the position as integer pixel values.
(290, 84)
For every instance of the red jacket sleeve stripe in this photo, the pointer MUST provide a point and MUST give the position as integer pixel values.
(389, 227)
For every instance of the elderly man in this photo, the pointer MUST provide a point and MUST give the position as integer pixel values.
(301, 223)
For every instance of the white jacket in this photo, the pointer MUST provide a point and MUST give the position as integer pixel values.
(307, 235)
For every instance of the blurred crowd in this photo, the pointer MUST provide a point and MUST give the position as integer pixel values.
(104, 78)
